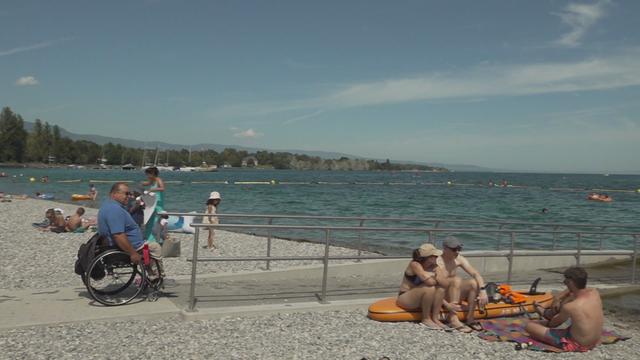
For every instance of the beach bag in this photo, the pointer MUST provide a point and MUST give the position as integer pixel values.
(86, 253)
(171, 247)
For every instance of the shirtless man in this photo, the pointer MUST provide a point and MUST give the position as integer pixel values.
(75, 221)
(579, 304)
(458, 289)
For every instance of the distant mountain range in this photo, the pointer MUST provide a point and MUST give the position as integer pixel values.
(101, 140)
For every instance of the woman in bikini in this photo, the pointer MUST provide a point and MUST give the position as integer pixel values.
(420, 288)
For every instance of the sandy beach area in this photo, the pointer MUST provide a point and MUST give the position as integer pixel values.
(37, 260)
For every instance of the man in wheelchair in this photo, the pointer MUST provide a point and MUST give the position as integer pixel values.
(116, 225)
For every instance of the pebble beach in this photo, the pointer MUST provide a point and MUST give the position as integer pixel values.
(37, 259)
(32, 259)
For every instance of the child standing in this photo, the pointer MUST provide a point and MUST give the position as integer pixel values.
(212, 210)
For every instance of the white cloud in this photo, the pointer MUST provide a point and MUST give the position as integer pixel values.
(248, 134)
(579, 17)
(27, 81)
(615, 71)
(37, 46)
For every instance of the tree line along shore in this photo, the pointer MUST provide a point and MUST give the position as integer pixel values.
(45, 145)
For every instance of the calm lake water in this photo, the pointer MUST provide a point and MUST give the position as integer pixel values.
(385, 194)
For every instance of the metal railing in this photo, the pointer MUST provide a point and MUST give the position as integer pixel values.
(437, 222)
(509, 254)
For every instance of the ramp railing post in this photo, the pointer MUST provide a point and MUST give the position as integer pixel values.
(510, 257)
(194, 267)
(634, 260)
(433, 239)
(360, 240)
(269, 244)
(430, 237)
(325, 270)
(579, 235)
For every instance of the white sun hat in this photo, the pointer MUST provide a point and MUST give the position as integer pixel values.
(214, 195)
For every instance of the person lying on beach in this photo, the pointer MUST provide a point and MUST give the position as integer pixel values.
(471, 290)
(579, 304)
(56, 221)
(420, 286)
(76, 223)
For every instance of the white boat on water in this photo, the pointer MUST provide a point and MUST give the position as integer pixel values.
(204, 167)
(160, 168)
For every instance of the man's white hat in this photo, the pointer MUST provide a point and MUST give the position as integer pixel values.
(214, 195)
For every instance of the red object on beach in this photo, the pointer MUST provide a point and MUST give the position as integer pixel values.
(145, 254)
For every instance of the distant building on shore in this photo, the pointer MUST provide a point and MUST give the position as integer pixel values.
(250, 161)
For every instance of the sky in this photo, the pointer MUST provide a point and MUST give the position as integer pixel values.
(543, 85)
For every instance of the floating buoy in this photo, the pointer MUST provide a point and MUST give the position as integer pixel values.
(32, 179)
(273, 182)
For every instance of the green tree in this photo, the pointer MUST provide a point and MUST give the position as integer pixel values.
(35, 148)
(47, 141)
(13, 137)
(57, 148)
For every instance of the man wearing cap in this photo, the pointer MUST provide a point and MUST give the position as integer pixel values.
(458, 289)
(212, 209)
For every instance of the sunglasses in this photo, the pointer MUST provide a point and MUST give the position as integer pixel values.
(456, 249)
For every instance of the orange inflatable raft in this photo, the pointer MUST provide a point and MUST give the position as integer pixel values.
(387, 310)
(78, 197)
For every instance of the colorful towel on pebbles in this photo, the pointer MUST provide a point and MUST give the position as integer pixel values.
(512, 329)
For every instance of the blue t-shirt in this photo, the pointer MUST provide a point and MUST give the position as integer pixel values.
(113, 218)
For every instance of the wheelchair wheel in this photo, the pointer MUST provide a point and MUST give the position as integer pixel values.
(113, 280)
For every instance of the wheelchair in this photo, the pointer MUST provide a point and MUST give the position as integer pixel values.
(112, 279)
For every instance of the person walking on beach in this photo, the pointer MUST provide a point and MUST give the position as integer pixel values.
(472, 290)
(579, 304)
(156, 186)
(212, 209)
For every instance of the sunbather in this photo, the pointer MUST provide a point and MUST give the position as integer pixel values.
(471, 290)
(420, 287)
(56, 220)
(76, 223)
(579, 304)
